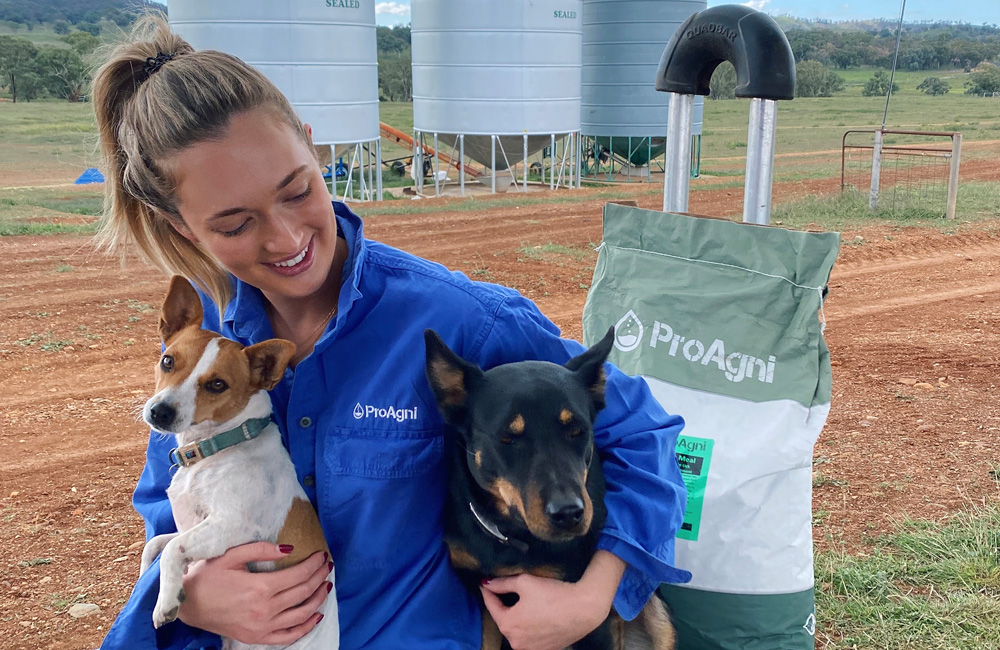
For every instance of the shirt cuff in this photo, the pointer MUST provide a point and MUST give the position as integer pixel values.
(643, 573)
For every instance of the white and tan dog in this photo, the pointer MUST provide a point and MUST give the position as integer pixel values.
(235, 482)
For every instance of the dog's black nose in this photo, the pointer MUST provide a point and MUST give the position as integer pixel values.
(565, 514)
(162, 415)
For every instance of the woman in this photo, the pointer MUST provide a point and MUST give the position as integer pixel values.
(211, 174)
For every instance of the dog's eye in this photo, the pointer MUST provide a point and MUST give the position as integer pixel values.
(506, 440)
(574, 433)
(216, 386)
(167, 363)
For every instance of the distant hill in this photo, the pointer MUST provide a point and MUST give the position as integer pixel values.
(879, 25)
(33, 12)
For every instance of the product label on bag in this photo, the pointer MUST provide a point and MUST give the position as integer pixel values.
(694, 455)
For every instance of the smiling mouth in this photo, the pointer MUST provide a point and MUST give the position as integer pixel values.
(293, 261)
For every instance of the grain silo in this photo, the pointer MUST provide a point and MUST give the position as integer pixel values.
(498, 81)
(322, 55)
(624, 119)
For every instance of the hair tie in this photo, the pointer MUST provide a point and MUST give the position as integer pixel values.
(155, 63)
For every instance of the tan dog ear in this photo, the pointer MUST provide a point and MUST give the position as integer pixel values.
(181, 308)
(268, 360)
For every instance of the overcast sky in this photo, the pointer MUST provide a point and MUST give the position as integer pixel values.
(976, 12)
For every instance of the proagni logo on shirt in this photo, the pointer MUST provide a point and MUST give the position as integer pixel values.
(389, 413)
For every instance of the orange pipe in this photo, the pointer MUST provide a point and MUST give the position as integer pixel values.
(395, 134)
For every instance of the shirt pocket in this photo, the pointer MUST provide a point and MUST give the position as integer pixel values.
(373, 454)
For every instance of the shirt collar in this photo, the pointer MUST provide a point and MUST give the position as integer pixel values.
(245, 316)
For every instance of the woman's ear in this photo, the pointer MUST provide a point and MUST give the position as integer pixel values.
(309, 131)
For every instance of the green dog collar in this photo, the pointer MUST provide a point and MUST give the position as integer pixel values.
(190, 454)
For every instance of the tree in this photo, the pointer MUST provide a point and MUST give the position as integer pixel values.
(16, 60)
(63, 72)
(934, 86)
(84, 43)
(395, 77)
(91, 28)
(985, 81)
(723, 83)
(813, 79)
(878, 85)
(61, 27)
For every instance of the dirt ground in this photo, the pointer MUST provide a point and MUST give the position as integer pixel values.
(913, 327)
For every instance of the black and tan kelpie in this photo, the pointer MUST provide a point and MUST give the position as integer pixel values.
(526, 487)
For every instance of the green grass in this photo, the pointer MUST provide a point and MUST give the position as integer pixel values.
(926, 586)
(976, 202)
(43, 211)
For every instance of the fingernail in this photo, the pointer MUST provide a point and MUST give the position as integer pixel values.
(329, 587)
(484, 581)
(286, 548)
(329, 566)
(326, 556)
(319, 619)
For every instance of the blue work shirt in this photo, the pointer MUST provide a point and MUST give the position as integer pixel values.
(363, 430)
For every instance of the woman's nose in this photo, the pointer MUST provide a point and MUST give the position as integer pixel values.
(282, 233)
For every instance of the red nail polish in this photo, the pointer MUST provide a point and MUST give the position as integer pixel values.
(329, 566)
(484, 581)
(319, 619)
(286, 548)
(326, 556)
(329, 587)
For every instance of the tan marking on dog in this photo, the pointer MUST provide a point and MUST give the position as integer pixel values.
(656, 620)
(507, 497)
(517, 425)
(232, 367)
(597, 388)
(538, 522)
(479, 458)
(617, 631)
(492, 639)
(461, 558)
(450, 380)
(303, 531)
(565, 416)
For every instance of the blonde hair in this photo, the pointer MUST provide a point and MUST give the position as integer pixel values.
(143, 118)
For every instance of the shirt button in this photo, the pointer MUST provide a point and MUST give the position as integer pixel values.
(309, 480)
(305, 422)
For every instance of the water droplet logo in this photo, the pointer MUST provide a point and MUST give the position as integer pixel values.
(628, 332)
(359, 411)
(810, 625)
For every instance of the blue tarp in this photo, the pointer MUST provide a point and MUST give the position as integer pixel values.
(92, 175)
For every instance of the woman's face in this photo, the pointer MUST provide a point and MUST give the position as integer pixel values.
(256, 200)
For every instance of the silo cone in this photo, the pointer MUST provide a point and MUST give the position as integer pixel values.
(724, 322)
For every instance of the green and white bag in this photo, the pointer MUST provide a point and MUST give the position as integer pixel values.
(721, 319)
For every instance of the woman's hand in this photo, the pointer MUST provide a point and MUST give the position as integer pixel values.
(275, 608)
(550, 614)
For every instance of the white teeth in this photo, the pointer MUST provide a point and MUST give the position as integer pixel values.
(295, 260)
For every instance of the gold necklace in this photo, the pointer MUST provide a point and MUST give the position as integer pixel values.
(300, 348)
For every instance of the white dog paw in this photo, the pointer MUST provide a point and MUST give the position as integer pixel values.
(166, 609)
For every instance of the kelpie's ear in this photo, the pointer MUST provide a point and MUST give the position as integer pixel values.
(451, 378)
(589, 367)
(268, 360)
(181, 308)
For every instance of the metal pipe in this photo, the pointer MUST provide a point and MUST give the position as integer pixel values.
(437, 165)
(876, 172)
(956, 156)
(378, 168)
(524, 165)
(677, 176)
(493, 162)
(461, 163)
(760, 149)
(552, 161)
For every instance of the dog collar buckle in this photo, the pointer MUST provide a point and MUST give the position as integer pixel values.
(187, 455)
(492, 529)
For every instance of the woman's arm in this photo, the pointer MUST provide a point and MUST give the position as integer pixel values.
(552, 615)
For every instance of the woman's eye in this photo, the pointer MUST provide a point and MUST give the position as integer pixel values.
(167, 363)
(302, 197)
(235, 231)
(216, 386)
